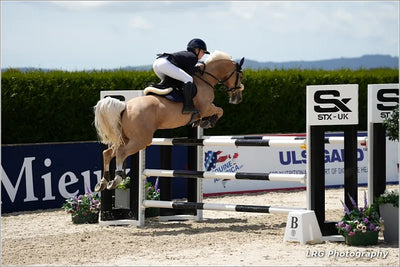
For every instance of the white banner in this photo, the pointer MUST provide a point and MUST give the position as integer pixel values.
(284, 160)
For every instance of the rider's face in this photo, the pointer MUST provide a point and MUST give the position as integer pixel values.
(201, 54)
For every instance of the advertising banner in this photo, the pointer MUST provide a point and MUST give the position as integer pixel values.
(284, 160)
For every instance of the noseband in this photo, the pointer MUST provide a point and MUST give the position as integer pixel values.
(237, 70)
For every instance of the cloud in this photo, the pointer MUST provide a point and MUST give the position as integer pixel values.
(80, 5)
(140, 23)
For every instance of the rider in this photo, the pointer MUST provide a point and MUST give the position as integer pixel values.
(181, 66)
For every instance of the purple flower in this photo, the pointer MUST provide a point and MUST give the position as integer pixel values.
(348, 227)
(365, 220)
(353, 202)
(365, 200)
(341, 224)
(87, 190)
(346, 209)
(156, 185)
(352, 233)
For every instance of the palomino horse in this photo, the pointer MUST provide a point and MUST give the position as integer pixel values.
(129, 127)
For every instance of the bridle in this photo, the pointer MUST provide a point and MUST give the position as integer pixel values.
(237, 70)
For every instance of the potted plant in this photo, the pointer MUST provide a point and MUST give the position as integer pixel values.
(391, 124)
(388, 206)
(122, 194)
(83, 208)
(361, 225)
(152, 193)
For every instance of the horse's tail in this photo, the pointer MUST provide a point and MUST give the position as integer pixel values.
(107, 120)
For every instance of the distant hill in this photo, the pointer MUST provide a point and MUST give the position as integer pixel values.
(363, 62)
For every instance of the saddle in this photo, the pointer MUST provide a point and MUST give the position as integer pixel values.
(169, 88)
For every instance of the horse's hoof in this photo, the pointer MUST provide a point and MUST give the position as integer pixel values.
(100, 186)
(114, 183)
(196, 123)
(205, 124)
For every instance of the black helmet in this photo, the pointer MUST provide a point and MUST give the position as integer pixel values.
(197, 43)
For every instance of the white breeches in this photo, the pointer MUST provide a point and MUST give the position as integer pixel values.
(162, 67)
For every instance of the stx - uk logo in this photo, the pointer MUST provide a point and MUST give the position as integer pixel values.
(330, 102)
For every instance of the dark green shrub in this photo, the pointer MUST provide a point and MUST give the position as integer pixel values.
(56, 106)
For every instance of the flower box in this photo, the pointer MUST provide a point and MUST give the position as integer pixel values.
(360, 225)
(88, 218)
(362, 238)
(122, 198)
(388, 205)
(152, 212)
(83, 208)
(390, 216)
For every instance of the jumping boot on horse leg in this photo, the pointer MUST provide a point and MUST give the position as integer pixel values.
(119, 176)
(209, 122)
(100, 186)
(189, 90)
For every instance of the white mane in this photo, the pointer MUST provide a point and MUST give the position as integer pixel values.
(217, 55)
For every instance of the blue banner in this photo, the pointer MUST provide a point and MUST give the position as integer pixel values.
(42, 176)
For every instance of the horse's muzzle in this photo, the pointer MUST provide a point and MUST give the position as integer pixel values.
(236, 96)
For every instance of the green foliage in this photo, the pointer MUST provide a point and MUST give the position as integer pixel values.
(125, 184)
(274, 100)
(82, 205)
(152, 192)
(57, 106)
(391, 124)
(388, 197)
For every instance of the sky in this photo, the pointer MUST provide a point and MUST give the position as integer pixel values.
(87, 35)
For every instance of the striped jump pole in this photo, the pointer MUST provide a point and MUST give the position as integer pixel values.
(217, 206)
(227, 142)
(249, 142)
(226, 175)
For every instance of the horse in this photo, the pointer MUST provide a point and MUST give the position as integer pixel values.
(129, 127)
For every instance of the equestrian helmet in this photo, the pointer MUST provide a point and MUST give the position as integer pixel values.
(197, 43)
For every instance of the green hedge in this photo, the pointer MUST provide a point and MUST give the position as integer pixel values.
(274, 100)
(57, 106)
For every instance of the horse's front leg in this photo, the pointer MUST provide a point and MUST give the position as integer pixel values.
(213, 115)
(208, 122)
(108, 154)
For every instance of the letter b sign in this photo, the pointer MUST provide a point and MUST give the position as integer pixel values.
(294, 223)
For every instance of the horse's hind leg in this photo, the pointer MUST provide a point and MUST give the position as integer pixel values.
(121, 155)
(108, 154)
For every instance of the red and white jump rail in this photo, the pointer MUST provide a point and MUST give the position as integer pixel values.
(226, 175)
(216, 206)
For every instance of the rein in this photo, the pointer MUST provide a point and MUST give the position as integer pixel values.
(237, 70)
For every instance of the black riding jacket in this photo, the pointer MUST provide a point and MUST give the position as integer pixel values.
(185, 60)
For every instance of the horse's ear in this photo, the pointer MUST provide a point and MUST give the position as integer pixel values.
(239, 65)
(241, 62)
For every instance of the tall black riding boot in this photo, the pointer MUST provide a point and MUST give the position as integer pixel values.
(189, 90)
